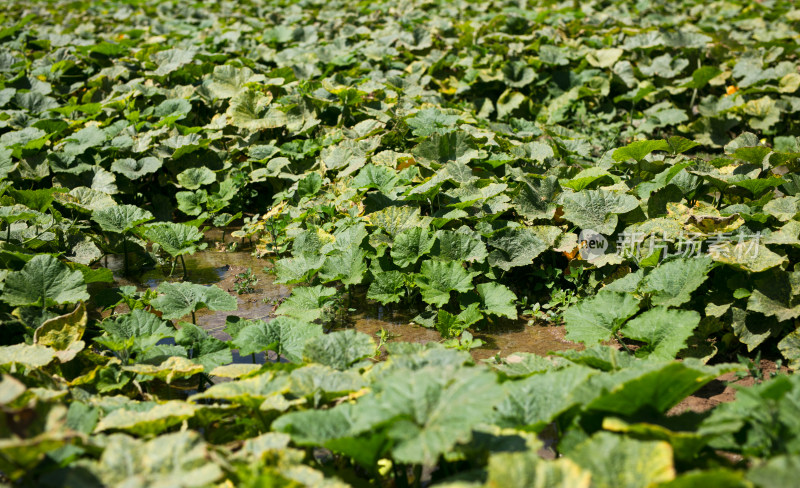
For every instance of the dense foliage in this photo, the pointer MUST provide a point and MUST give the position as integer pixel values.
(626, 169)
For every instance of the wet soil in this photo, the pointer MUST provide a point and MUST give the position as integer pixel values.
(723, 389)
(222, 268)
(507, 337)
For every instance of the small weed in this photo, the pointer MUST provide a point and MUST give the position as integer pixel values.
(245, 282)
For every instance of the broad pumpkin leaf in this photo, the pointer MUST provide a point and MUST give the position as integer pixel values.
(203, 349)
(497, 299)
(54, 283)
(307, 303)
(319, 382)
(174, 238)
(619, 462)
(520, 246)
(284, 335)
(298, 269)
(437, 279)
(455, 245)
(650, 385)
(748, 255)
(529, 470)
(168, 370)
(638, 150)
(177, 300)
(665, 331)
(598, 318)
(339, 349)
(196, 177)
(170, 60)
(249, 392)
(139, 328)
(120, 218)
(146, 417)
(387, 287)
(85, 199)
(31, 357)
(412, 244)
(250, 109)
(671, 284)
(783, 209)
(347, 266)
(440, 149)
(179, 459)
(134, 169)
(534, 402)
(597, 210)
(227, 80)
(776, 295)
(61, 332)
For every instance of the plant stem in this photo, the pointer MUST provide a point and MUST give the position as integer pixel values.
(125, 253)
(619, 339)
(183, 263)
(194, 318)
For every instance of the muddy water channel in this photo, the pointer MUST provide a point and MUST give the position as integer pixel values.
(222, 268)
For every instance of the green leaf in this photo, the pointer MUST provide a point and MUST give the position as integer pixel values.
(143, 328)
(638, 150)
(520, 246)
(284, 335)
(178, 459)
(309, 185)
(227, 80)
(527, 469)
(431, 121)
(437, 279)
(598, 318)
(597, 210)
(170, 60)
(665, 331)
(308, 303)
(169, 369)
(348, 266)
(460, 245)
(44, 281)
(29, 356)
(534, 402)
(387, 287)
(194, 178)
(412, 244)
(146, 418)
(619, 462)
(134, 169)
(672, 283)
(249, 392)
(381, 178)
(250, 109)
(173, 109)
(588, 177)
(439, 149)
(120, 218)
(340, 349)
(783, 209)
(63, 331)
(497, 299)
(779, 472)
(776, 295)
(176, 300)
(175, 239)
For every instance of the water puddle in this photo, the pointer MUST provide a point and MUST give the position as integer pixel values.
(222, 268)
